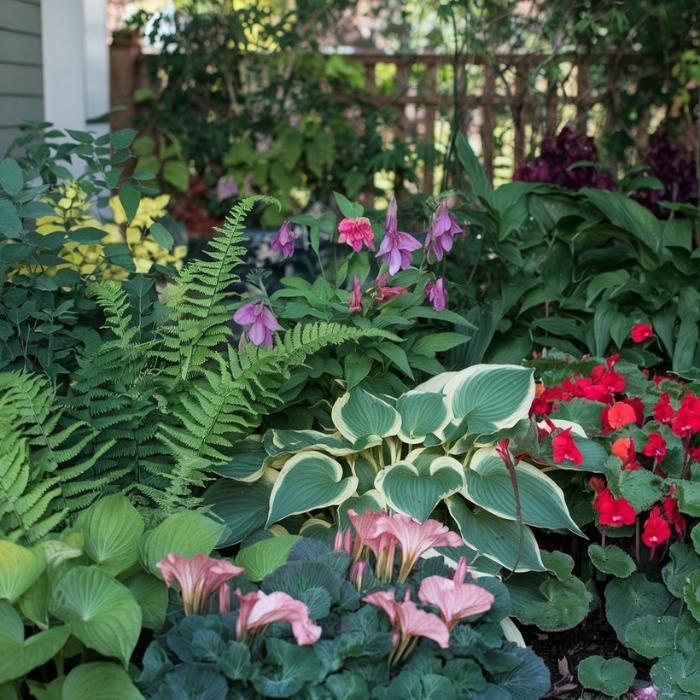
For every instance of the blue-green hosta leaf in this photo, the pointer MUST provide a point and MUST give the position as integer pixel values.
(652, 636)
(99, 681)
(370, 500)
(490, 397)
(184, 533)
(101, 612)
(152, 596)
(19, 568)
(246, 461)
(416, 487)
(281, 442)
(18, 656)
(542, 502)
(112, 528)
(503, 541)
(308, 481)
(422, 413)
(359, 414)
(263, 557)
(611, 560)
(610, 676)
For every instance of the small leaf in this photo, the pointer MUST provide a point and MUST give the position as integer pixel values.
(123, 138)
(612, 677)
(11, 178)
(350, 210)
(130, 198)
(611, 560)
(162, 236)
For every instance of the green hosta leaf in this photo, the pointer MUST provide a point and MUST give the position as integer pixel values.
(432, 343)
(152, 596)
(612, 677)
(541, 500)
(309, 480)
(503, 541)
(684, 562)
(246, 461)
(422, 413)
(99, 681)
(491, 397)
(358, 414)
(18, 656)
(263, 557)
(34, 603)
(100, 611)
(112, 528)
(279, 442)
(691, 595)
(416, 487)
(652, 636)
(563, 605)
(19, 569)
(185, 533)
(612, 560)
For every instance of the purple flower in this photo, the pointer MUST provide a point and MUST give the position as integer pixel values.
(649, 692)
(397, 246)
(441, 232)
(436, 294)
(226, 187)
(283, 240)
(260, 322)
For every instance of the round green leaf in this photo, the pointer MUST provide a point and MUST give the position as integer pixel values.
(308, 481)
(99, 681)
(691, 595)
(652, 636)
(264, 556)
(112, 528)
(611, 560)
(612, 677)
(677, 676)
(100, 611)
(422, 413)
(19, 568)
(491, 397)
(415, 488)
(563, 605)
(558, 563)
(683, 563)
(358, 414)
(695, 538)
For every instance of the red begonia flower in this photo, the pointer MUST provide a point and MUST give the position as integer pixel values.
(641, 332)
(565, 449)
(656, 530)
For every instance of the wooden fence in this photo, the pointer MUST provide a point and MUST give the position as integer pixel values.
(489, 97)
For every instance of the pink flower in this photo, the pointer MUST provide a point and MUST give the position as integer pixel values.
(283, 240)
(436, 294)
(415, 538)
(383, 293)
(454, 598)
(355, 300)
(257, 610)
(226, 188)
(641, 332)
(396, 247)
(343, 541)
(364, 530)
(356, 233)
(199, 578)
(441, 233)
(260, 322)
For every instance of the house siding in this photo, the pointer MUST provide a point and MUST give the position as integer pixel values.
(21, 90)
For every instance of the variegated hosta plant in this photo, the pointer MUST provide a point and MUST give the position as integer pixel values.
(436, 444)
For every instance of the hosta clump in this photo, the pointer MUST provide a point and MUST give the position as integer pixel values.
(343, 644)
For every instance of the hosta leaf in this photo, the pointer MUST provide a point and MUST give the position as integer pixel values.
(358, 414)
(19, 568)
(246, 462)
(99, 681)
(422, 413)
(612, 676)
(152, 596)
(263, 557)
(279, 442)
(101, 612)
(308, 481)
(611, 560)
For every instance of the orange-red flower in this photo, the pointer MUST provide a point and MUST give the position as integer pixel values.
(614, 512)
(656, 530)
(565, 449)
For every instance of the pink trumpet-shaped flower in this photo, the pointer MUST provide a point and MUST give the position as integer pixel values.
(364, 528)
(436, 294)
(397, 247)
(382, 292)
(260, 322)
(199, 578)
(283, 240)
(356, 233)
(440, 237)
(257, 610)
(415, 538)
(454, 598)
(343, 541)
(355, 300)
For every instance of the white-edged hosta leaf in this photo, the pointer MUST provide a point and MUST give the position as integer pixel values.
(281, 442)
(308, 480)
(99, 681)
(101, 612)
(422, 413)
(369, 500)
(264, 556)
(358, 414)
(415, 488)
(490, 397)
(436, 383)
(542, 502)
(246, 461)
(19, 568)
(503, 541)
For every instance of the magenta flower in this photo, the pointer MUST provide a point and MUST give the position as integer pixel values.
(397, 247)
(436, 294)
(355, 300)
(356, 233)
(283, 240)
(256, 610)
(226, 187)
(199, 578)
(441, 232)
(415, 538)
(382, 292)
(343, 541)
(454, 598)
(260, 322)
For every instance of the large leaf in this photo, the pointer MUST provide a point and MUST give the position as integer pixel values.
(561, 605)
(359, 414)
(263, 557)
(99, 681)
(19, 568)
(542, 502)
(112, 528)
(152, 596)
(246, 462)
(18, 656)
(100, 611)
(612, 677)
(280, 442)
(422, 413)
(652, 636)
(308, 481)
(491, 397)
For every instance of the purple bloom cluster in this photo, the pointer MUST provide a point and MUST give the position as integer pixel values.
(557, 155)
